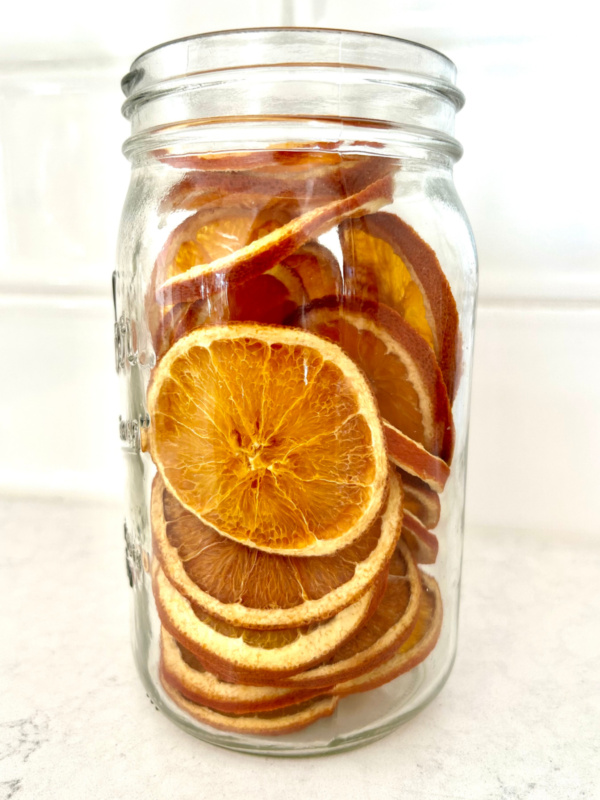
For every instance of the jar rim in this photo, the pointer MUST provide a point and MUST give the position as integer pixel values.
(247, 47)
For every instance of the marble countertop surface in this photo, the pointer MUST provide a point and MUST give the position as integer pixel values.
(518, 718)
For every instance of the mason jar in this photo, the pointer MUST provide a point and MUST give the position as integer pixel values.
(294, 306)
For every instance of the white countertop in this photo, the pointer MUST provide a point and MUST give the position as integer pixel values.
(519, 717)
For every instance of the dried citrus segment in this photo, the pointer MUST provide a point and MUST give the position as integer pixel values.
(270, 435)
(183, 672)
(401, 368)
(422, 543)
(251, 656)
(380, 636)
(420, 500)
(412, 651)
(266, 723)
(203, 280)
(405, 274)
(246, 587)
(317, 269)
(412, 457)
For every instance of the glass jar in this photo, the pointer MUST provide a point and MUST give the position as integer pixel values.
(294, 311)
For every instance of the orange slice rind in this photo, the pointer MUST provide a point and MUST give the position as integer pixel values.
(422, 543)
(404, 273)
(183, 672)
(412, 457)
(400, 366)
(391, 623)
(271, 435)
(204, 279)
(420, 500)
(413, 651)
(250, 656)
(248, 588)
(266, 723)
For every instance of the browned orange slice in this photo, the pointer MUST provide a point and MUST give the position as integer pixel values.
(406, 275)
(420, 500)
(249, 588)
(412, 457)
(182, 671)
(400, 366)
(379, 637)
(412, 651)
(265, 723)
(206, 278)
(270, 435)
(250, 656)
(422, 543)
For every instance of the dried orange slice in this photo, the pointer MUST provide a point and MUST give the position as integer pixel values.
(183, 672)
(249, 588)
(307, 176)
(271, 435)
(420, 500)
(401, 368)
(412, 651)
(266, 723)
(411, 457)
(204, 279)
(390, 624)
(406, 275)
(250, 656)
(422, 543)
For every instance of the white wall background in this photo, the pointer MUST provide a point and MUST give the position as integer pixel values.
(529, 181)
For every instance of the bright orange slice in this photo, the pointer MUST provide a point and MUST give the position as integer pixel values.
(400, 366)
(183, 672)
(390, 624)
(422, 543)
(206, 278)
(250, 656)
(249, 588)
(266, 723)
(406, 275)
(270, 435)
(420, 500)
(412, 651)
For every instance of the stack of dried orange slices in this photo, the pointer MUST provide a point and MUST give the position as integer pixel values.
(301, 428)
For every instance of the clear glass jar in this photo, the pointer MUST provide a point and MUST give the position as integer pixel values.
(294, 328)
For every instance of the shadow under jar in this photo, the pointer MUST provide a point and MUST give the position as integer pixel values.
(294, 309)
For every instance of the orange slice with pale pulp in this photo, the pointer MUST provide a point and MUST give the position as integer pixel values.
(412, 651)
(403, 271)
(183, 672)
(265, 723)
(249, 656)
(270, 435)
(204, 279)
(400, 366)
(249, 588)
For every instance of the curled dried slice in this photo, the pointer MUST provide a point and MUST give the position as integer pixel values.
(422, 543)
(400, 366)
(412, 457)
(251, 656)
(203, 280)
(183, 672)
(249, 588)
(403, 271)
(390, 624)
(266, 723)
(412, 651)
(270, 435)
(420, 500)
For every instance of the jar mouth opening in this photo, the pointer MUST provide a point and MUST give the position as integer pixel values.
(191, 57)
